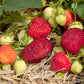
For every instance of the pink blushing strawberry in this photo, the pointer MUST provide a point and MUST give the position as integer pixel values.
(70, 18)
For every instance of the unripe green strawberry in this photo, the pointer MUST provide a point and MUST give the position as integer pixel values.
(81, 51)
(21, 34)
(76, 24)
(20, 66)
(60, 11)
(77, 0)
(6, 66)
(24, 38)
(6, 39)
(52, 22)
(61, 19)
(60, 75)
(76, 67)
(48, 12)
(58, 40)
(58, 49)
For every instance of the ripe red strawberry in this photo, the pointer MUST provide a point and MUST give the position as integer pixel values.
(39, 28)
(37, 20)
(37, 50)
(72, 40)
(60, 62)
(70, 18)
(7, 54)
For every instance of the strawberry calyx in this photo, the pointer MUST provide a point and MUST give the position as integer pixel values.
(76, 24)
(60, 11)
(78, 56)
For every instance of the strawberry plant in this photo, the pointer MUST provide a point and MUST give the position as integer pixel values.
(41, 41)
(15, 5)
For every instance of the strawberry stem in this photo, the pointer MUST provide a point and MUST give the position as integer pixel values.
(77, 58)
(75, 12)
(19, 48)
(44, 3)
(58, 3)
(61, 2)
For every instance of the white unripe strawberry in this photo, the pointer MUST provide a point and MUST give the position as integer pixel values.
(58, 40)
(20, 66)
(48, 12)
(76, 67)
(21, 34)
(24, 38)
(61, 19)
(76, 24)
(5, 39)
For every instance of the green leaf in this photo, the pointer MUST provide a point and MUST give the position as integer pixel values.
(13, 5)
(80, 9)
(1, 10)
(73, 6)
(78, 1)
(17, 19)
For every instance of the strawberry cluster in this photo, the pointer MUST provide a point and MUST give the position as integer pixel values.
(72, 39)
(41, 47)
(38, 46)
